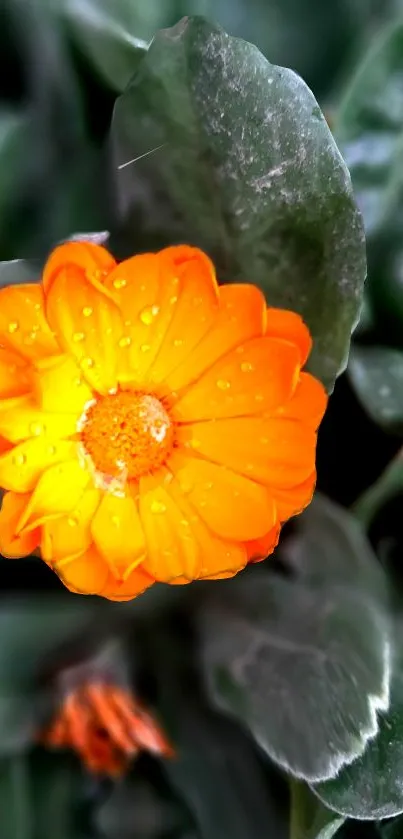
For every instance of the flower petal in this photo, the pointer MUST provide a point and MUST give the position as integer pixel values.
(180, 547)
(275, 451)
(308, 402)
(292, 500)
(93, 260)
(84, 574)
(231, 505)
(118, 534)
(121, 590)
(21, 468)
(257, 376)
(282, 323)
(241, 316)
(22, 419)
(58, 385)
(11, 544)
(70, 535)
(194, 309)
(14, 374)
(259, 549)
(88, 325)
(58, 492)
(23, 325)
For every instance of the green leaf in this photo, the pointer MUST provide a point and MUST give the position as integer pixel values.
(371, 787)
(136, 809)
(303, 662)
(310, 819)
(388, 485)
(245, 167)
(16, 271)
(106, 35)
(377, 376)
(38, 797)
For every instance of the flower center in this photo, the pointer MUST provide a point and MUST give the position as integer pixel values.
(127, 434)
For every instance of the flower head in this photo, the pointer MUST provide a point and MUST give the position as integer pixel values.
(105, 726)
(154, 426)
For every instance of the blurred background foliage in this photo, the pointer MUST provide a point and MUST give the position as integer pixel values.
(258, 745)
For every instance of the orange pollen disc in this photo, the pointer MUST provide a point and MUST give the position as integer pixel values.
(127, 432)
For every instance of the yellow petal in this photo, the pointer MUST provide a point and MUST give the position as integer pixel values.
(23, 325)
(118, 533)
(21, 467)
(84, 574)
(70, 535)
(22, 419)
(11, 544)
(58, 385)
(57, 493)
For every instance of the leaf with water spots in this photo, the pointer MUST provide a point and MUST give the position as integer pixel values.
(244, 166)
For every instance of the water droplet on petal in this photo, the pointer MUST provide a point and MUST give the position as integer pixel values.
(157, 507)
(125, 341)
(147, 315)
(247, 367)
(178, 342)
(173, 299)
(35, 328)
(13, 326)
(52, 450)
(115, 521)
(77, 381)
(78, 336)
(19, 459)
(87, 362)
(72, 522)
(87, 311)
(145, 347)
(37, 307)
(208, 485)
(36, 428)
(223, 384)
(120, 282)
(195, 444)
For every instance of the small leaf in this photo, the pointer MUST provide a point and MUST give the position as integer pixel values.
(371, 787)
(243, 165)
(388, 485)
(377, 376)
(303, 662)
(310, 819)
(106, 35)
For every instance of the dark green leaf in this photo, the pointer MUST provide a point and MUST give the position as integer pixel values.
(371, 788)
(377, 376)
(392, 829)
(246, 168)
(106, 33)
(137, 810)
(18, 271)
(304, 662)
(310, 819)
(39, 797)
(389, 484)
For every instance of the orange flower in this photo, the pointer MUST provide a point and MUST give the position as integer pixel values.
(106, 727)
(154, 426)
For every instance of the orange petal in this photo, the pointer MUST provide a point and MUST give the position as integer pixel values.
(136, 583)
(23, 325)
(292, 500)
(241, 316)
(70, 535)
(118, 533)
(308, 402)
(88, 325)
(259, 375)
(194, 309)
(93, 260)
(259, 549)
(231, 505)
(275, 451)
(172, 549)
(84, 574)
(282, 323)
(11, 544)
(58, 385)
(14, 374)
(21, 467)
(58, 492)
(23, 419)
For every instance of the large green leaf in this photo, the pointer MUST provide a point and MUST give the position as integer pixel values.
(371, 788)
(245, 167)
(304, 662)
(310, 819)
